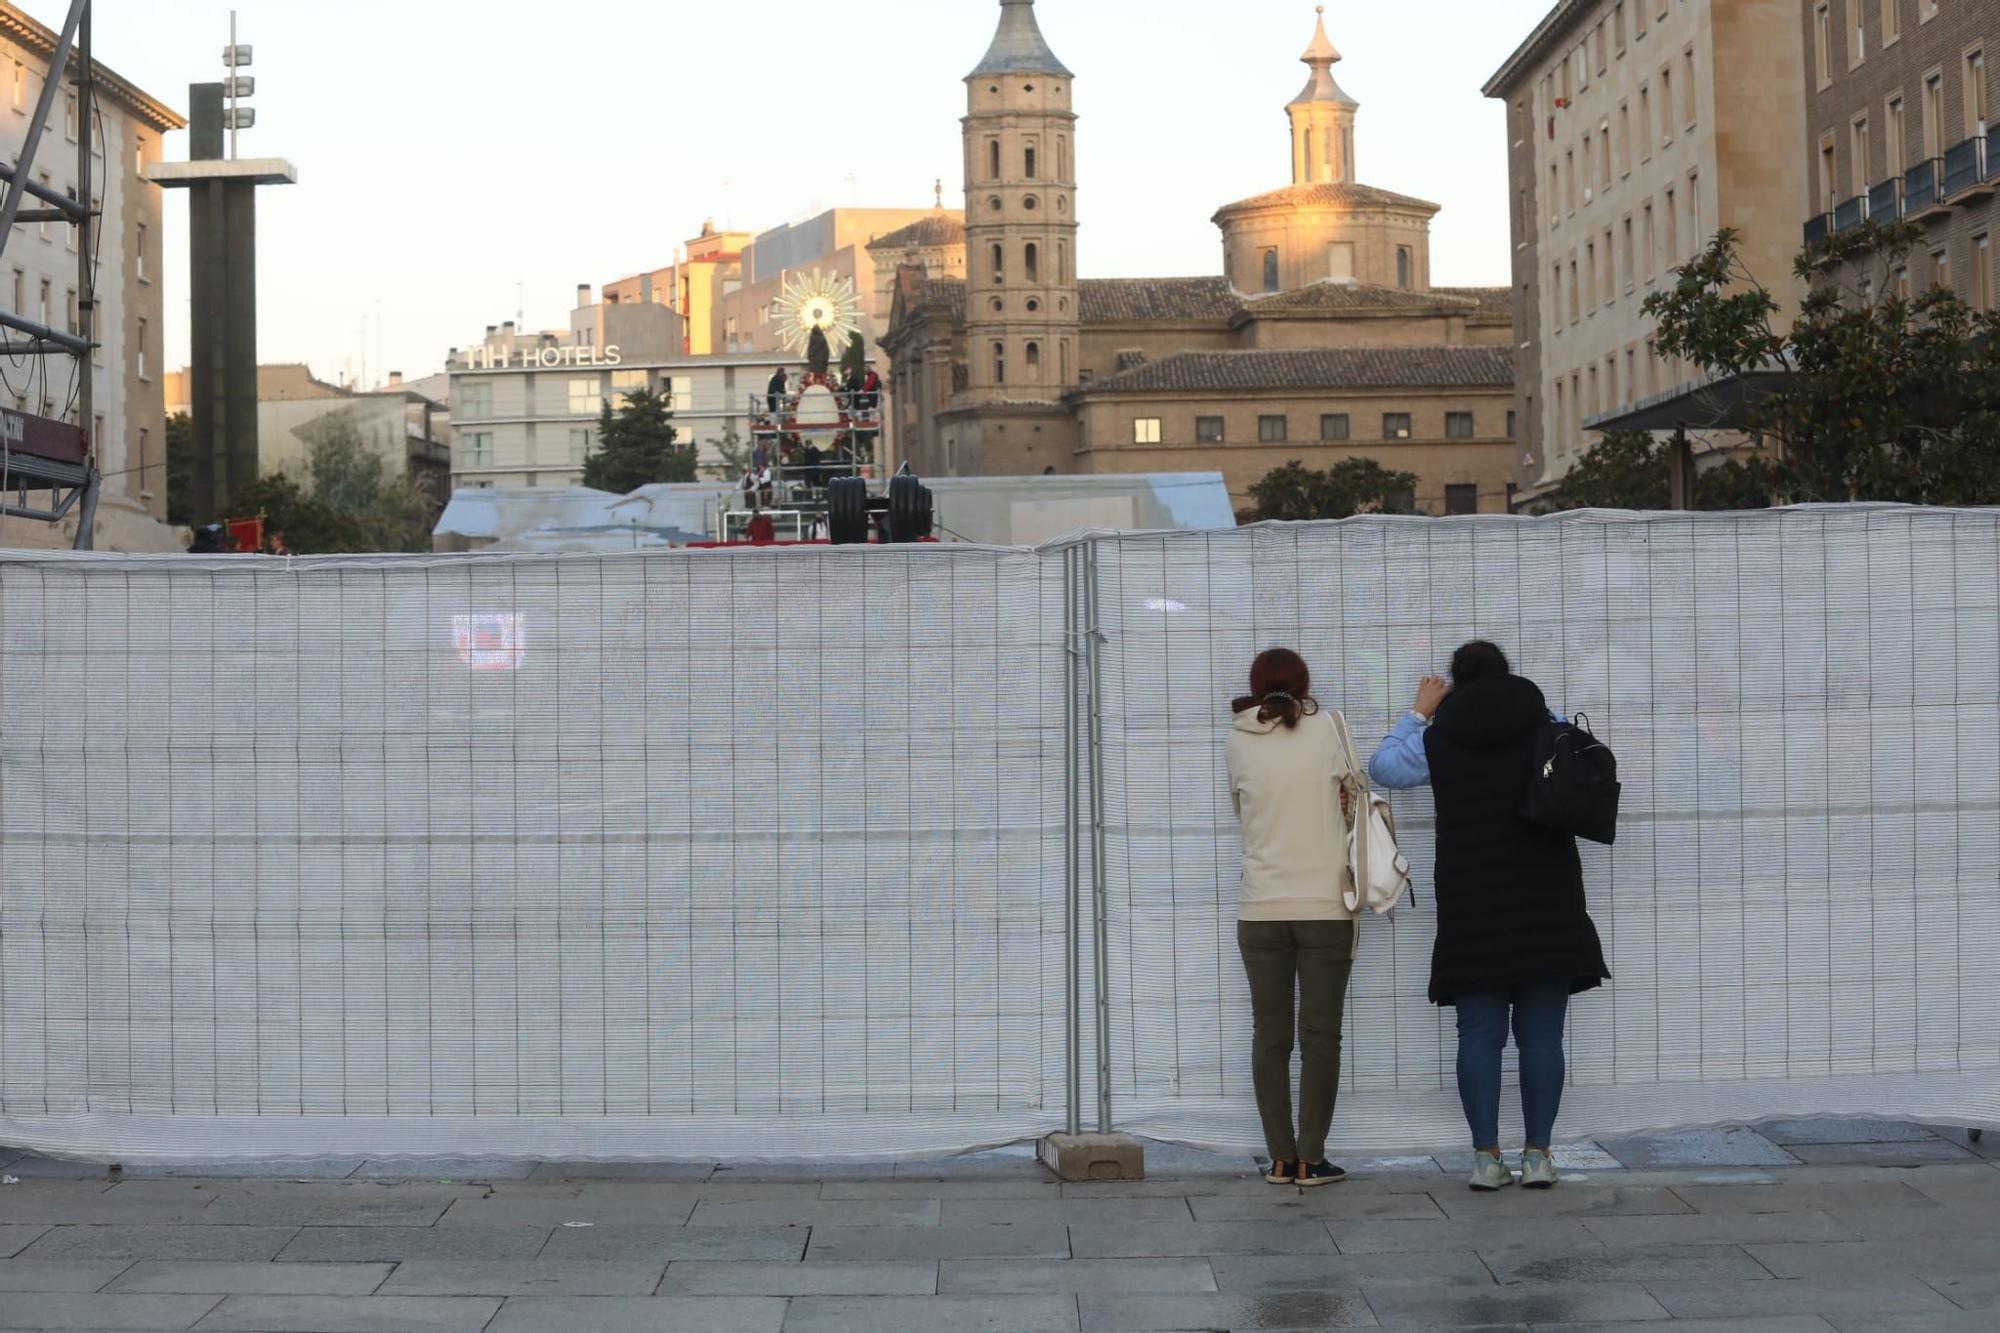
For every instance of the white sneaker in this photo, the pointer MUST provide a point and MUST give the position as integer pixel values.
(1489, 1173)
(1538, 1170)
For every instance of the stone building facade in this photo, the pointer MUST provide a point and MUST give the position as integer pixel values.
(1638, 129)
(1900, 126)
(1324, 311)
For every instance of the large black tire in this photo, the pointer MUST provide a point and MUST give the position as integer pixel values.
(906, 504)
(847, 511)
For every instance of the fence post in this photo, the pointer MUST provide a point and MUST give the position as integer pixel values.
(1072, 843)
(1093, 648)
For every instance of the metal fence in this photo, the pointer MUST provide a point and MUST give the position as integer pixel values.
(844, 853)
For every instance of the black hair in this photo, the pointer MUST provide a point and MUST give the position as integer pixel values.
(1477, 659)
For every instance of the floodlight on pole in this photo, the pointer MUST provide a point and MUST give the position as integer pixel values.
(235, 57)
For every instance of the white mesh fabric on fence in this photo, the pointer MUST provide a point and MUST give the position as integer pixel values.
(689, 855)
(1803, 908)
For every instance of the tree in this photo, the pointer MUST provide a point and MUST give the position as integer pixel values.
(180, 469)
(310, 526)
(735, 457)
(1883, 396)
(855, 359)
(636, 447)
(348, 504)
(1631, 470)
(1295, 494)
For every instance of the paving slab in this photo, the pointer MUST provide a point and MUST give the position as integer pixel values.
(1986, 1146)
(919, 1188)
(900, 1244)
(27, 1275)
(1962, 1321)
(1010, 1164)
(641, 1314)
(1722, 1299)
(537, 1277)
(1969, 1293)
(1199, 1239)
(445, 1168)
(28, 1166)
(932, 1314)
(1582, 1157)
(1875, 1194)
(1062, 1212)
(815, 1212)
(1341, 1308)
(1922, 1153)
(352, 1314)
(1788, 1132)
(1388, 1168)
(798, 1170)
(1256, 1273)
(1327, 1201)
(49, 1310)
(1179, 1162)
(681, 1172)
(161, 1242)
(1570, 1199)
(313, 1168)
(79, 1203)
(706, 1277)
(1515, 1267)
(630, 1244)
(1940, 1219)
(1168, 1187)
(266, 1279)
(552, 1205)
(1054, 1276)
(1796, 1323)
(1720, 1229)
(405, 1244)
(1545, 1303)
(1541, 1234)
(1698, 1147)
(14, 1239)
(360, 1204)
(1968, 1256)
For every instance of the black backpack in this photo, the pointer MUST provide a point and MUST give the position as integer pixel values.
(1574, 785)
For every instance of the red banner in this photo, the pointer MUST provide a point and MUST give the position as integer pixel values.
(247, 534)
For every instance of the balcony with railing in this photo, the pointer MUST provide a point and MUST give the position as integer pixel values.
(1923, 188)
(1965, 169)
(1849, 214)
(1885, 200)
(1818, 228)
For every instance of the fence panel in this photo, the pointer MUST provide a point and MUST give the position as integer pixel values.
(1805, 893)
(688, 855)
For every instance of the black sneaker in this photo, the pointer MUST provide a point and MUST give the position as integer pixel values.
(1319, 1173)
(1283, 1173)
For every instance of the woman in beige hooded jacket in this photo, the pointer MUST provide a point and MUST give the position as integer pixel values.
(1287, 776)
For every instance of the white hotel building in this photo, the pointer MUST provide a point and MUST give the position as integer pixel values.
(525, 407)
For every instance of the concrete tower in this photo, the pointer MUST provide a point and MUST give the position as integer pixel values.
(1021, 316)
(1322, 119)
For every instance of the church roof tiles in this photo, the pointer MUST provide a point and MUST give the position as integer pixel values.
(923, 234)
(1329, 195)
(1320, 368)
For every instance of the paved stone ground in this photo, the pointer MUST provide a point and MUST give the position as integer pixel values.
(1802, 1227)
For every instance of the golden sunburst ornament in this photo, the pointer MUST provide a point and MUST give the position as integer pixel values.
(823, 301)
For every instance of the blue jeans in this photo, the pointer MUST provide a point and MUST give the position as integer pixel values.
(1539, 1008)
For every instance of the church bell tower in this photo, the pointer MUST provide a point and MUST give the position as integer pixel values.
(1322, 119)
(1021, 307)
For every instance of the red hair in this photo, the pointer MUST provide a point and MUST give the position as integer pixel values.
(1280, 688)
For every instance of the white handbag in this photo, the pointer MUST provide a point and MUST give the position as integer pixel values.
(1378, 873)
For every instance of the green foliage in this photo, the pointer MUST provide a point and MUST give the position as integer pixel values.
(180, 469)
(735, 457)
(351, 505)
(1631, 470)
(855, 359)
(636, 447)
(1295, 493)
(1889, 397)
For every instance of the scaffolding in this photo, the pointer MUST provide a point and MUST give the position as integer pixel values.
(41, 456)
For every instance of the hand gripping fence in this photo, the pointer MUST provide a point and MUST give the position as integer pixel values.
(849, 854)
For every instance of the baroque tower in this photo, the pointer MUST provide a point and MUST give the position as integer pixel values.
(1021, 306)
(1322, 119)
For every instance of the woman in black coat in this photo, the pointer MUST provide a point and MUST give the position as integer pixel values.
(1515, 939)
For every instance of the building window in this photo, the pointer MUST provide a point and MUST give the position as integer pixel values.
(1395, 425)
(1334, 428)
(1032, 261)
(475, 400)
(999, 363)
(993, 159)
(624, 383)
(1823, 43)
(1034, 355)
(1062, 349)
(478, 449)
(1829, 176)
(1270, 270)
(141, 253)
(47, 297)
(1933, 115)
(20, 86)
(139, 343)
(70, 311)
(999, 263)
(1618, 25)
(1030, 161)
(1510, 419)
(1461, 499)
(1208, 430)
(1926, 10)
(1860, 156)
(586, 397)
(582, 444)
(1975, 95)
(1458, 425)
(46, 184)
(1982, 272)
(1645, 123)
(1403, 266)
(1146, 430)
(1273, 430)
(1892, 20)
(1673, 231)
(1857, 40)
(1667, 105)
(69, 116)
(139, 157)
(1892, 136)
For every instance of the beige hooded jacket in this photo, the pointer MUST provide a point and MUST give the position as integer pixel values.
(1286, 786)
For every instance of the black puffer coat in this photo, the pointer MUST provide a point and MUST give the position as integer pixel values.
(1510, 900)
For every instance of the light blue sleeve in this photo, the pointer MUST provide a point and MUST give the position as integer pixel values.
(1400, 763)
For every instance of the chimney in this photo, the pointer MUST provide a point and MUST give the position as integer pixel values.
(492, 329)
(508, 328)
(395, 378)
(582, 295)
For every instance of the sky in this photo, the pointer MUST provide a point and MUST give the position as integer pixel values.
(465, 162)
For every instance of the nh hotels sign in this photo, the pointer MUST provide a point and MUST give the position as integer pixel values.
(542, 358)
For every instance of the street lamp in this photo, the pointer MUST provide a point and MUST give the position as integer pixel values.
(236, 86)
